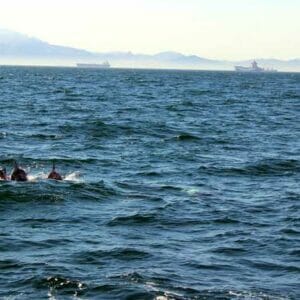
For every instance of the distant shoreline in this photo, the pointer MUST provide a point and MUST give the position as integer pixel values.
(134, 68)
(20, 49)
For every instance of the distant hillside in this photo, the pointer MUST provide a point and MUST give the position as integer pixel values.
(17, 48)
(20, 45)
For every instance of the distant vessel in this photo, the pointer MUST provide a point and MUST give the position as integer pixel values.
(254, 68)
(104, 65)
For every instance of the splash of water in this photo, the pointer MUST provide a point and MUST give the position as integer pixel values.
(71, 177)
(74, 177)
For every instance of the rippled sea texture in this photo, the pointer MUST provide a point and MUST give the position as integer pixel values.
(179, 185)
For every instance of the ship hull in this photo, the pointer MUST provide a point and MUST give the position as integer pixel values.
(253, 70)
(245, 69)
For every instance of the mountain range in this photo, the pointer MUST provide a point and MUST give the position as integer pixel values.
(20, 49)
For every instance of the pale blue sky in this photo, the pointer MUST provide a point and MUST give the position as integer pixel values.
(224, 29)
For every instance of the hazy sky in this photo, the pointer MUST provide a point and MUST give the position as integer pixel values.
(224, 29)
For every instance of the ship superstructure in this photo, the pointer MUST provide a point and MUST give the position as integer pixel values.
(254, 68)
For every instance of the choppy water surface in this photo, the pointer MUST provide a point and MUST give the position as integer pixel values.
(179, 185)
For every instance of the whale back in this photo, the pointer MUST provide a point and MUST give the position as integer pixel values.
(53, 174)
(3, 175)
(18, 174)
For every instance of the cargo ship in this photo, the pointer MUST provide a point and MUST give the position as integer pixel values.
(104, 65)
(254, 68)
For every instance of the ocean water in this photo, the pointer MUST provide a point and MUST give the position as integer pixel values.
(178, 184)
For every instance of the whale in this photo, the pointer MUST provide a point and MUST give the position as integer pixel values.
(18, 174)
(53, 174)
(3, 174)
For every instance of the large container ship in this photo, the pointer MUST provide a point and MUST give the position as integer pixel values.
(104, 65)
(254, 68)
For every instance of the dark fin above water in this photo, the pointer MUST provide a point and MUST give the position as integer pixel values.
(18, 174)
(54, 175)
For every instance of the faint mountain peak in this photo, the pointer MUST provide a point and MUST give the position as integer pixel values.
(17, 47)
(21, 45)
(14, 38)
(169, 55)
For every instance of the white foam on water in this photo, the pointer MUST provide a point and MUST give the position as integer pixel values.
(168, 296)
(74, 177)
(254, 296)
(37, 176)
(192, 191)
(71, 177)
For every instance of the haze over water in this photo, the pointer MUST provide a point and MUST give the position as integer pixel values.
(179, 184)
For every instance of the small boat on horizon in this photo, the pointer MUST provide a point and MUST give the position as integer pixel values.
(254, 68)
(104, 65)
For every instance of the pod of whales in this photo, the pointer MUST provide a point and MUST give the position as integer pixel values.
(18, 174)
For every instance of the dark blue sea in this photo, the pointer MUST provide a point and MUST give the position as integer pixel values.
(177, 184)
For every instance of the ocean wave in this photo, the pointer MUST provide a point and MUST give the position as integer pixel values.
(44, 136)
(9, 243)
(290, 231)
(271, 167)
(96, 128)
(198, 92)
(149, 173)
(226, 220)
(44, 191)
(210, 266)
(151, 287)
(138, 218)
(23, 192)
(65, 91)
(148, 188)
(272, 266)
(159, 219)
(37, 161)
(130, 276)
(229, 250)
(8, 264)
(254, 295)
(186, 137)
(62, 286)
(98, 256)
